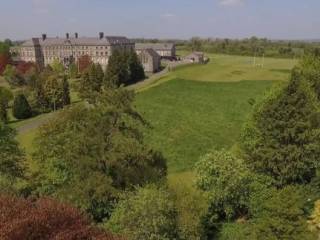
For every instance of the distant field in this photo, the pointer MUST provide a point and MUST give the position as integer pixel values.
(226, 68)
(189, 118)
(236, 68)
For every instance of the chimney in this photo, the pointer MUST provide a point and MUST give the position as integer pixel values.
(101, 35)
(76, 35)
(67, 35)
(44, 37)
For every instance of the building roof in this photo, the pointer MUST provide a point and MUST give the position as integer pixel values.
(150, 52)
(155, 46)
(89, 41)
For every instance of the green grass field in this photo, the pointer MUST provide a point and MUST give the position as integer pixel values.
(199, 107)
(188, 118)
(236, 68)
(195, 108)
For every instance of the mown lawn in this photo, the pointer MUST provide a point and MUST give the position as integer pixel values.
(237, 68)
(188, 118)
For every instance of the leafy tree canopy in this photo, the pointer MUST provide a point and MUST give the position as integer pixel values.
(148, 213)
(90, 153)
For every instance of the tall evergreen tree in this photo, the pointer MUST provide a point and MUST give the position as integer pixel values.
(21, 108)
(117, 70)
(282, 139)
(91, 82)
(66, 92)
(135, 68)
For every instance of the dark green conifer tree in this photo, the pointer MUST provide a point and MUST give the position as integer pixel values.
(135, 68)
(21, 108)
(117, 70)
(282, 140)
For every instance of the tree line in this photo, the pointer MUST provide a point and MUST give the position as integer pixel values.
(250, 47)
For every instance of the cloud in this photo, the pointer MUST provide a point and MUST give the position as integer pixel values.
(168, 15)
(231, 3)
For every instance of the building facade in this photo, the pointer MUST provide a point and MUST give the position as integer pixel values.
(195, 57)
(165, 50)
(44, 51)
(150, 60)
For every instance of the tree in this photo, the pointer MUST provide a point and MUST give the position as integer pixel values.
(84, 63)
(229, 185)
(11, 75)
(309, 69)
(4, 47)
(91, 83)
(73, 71)
(21, 108)
(11, 160)
(227, 180)
(136, 70)
(45, 219)
(314, 221)
(51, 91)
(5, 97)
(91, 153)
(4, 61)
(65, 92)
(23, 67)
(149, 213)
(196, 44)
(281, 214)
(57, 67)
(117, 70)
(192, 206)
(282, 139)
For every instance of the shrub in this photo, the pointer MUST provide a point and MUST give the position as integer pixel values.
(149, 213)
(11, 160)
(45, 219)
(21, 108)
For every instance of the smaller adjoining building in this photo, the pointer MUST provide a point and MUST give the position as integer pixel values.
(150, 59)
(165, 50)
(195, 57)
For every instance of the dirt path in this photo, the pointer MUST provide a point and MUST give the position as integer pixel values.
(35, 123)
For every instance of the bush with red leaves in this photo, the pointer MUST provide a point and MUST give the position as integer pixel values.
(83, 63)
(4, 61)
(45, 219)
(23, 67)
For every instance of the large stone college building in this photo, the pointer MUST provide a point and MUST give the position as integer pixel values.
(44, 50)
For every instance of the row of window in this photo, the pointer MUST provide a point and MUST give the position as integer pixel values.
(79, 53)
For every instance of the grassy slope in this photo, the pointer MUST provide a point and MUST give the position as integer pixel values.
(196, 108)
(188, 117)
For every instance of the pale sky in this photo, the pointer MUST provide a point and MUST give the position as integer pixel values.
(277, 19)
